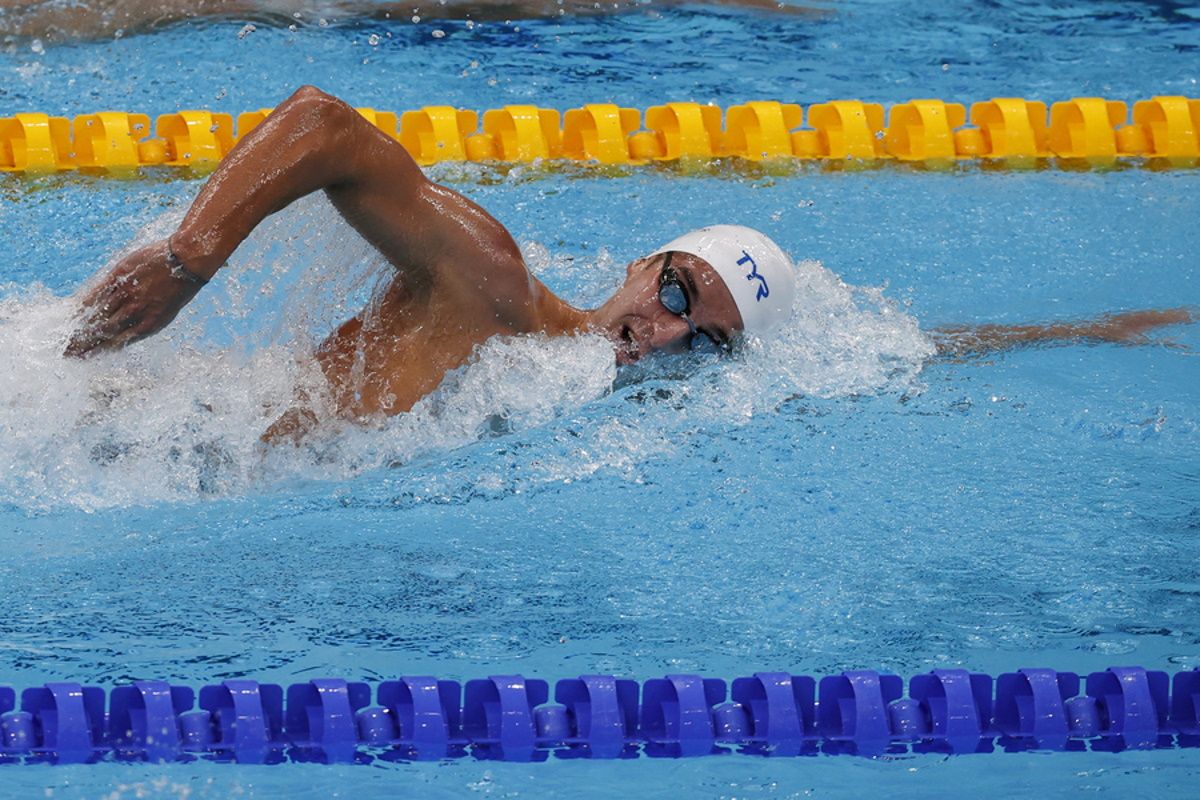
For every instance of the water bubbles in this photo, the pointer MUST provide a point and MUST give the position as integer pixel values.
(246, 30)
(439, 34)
(37, 47)
(374, 39)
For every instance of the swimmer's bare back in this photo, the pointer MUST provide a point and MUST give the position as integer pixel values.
(53, 21)
(459, 276)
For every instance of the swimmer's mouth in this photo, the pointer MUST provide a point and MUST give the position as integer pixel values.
(627, 349)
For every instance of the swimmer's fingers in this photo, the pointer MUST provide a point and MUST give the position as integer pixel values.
(110, 331)
(89, 334)
(1173, 343)
(115, 323)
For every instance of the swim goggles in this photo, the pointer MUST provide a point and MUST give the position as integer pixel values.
(673, 297)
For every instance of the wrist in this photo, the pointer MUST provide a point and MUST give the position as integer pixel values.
(182, 273)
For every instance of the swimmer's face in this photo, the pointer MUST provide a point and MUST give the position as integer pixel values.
(669, 303)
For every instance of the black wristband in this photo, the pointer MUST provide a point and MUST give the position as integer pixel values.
(178, 270)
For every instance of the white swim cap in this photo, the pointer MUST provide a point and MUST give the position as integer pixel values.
(759, 276)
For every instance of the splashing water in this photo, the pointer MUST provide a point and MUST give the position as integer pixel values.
(179, 416)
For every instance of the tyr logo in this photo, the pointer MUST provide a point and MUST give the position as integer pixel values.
(763, 290)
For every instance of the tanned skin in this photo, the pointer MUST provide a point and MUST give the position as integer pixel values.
(55, 21)
(459, 276)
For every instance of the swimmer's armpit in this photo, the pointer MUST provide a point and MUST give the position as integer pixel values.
(1128, 327)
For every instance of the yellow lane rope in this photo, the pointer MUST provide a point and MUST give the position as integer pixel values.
(1088, 128)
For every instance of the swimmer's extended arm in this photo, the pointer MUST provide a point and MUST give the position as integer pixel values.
(311, 142)
(1128, 327)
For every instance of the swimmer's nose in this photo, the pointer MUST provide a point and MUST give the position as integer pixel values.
(671, 334)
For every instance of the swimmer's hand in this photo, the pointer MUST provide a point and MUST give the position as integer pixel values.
(1131, 327)
(291, 428)
(138, 298)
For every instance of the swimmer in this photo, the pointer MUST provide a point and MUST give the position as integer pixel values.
(53, 21)
(459, 277)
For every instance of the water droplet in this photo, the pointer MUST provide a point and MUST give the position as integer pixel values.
(416, 18)
(439, 34)
(246, 31)
(373, 39)
(37, 47)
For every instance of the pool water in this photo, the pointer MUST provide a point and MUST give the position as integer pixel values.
(831, 499)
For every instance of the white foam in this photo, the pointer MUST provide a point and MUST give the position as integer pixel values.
(179, 417)
(841, 340)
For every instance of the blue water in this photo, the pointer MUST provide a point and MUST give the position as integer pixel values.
(831, 501)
